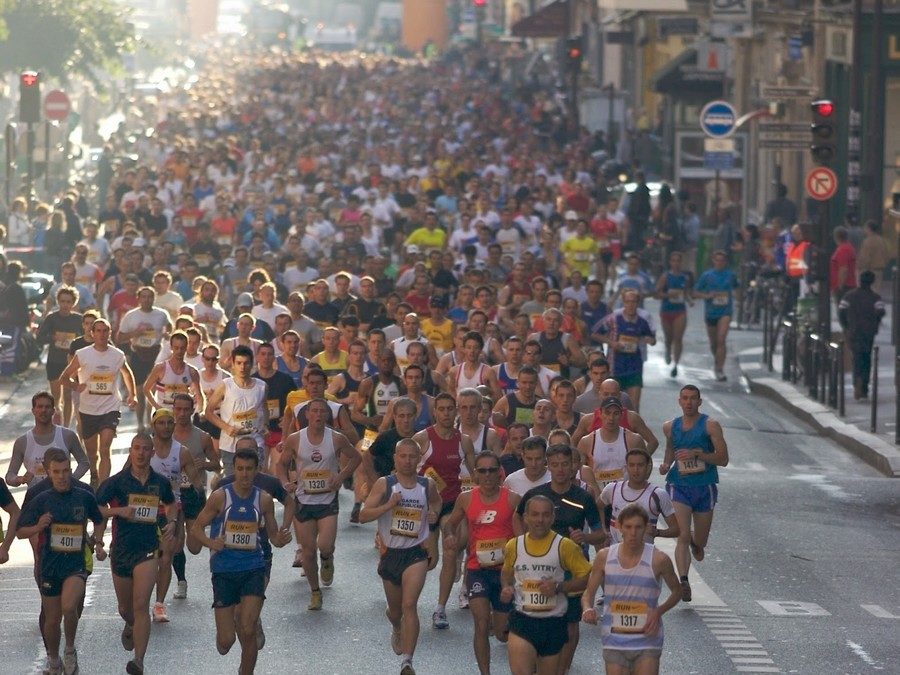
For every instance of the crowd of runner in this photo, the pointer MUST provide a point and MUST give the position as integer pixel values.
(377, 275)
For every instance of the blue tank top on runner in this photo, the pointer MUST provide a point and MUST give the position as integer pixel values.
(424, 418)
(699, 473)
(508, 383)
(673, 296)
(240, 521)
(295, 375)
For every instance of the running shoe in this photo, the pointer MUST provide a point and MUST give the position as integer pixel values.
(70, 662)
(439, 619)
(128, 638)
(395, 641)
(180, 590)
(260, 635)
(55, 667)
(720, 376)
(159, 613)
(132, 668)
(315, 600)
(406, 668)
(685, 590)
(298, 558)
(354, 514)
(674, 372)
(327, 571)
(463, 597)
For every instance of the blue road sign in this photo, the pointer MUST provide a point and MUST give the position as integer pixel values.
(718, 119)
(718, 161)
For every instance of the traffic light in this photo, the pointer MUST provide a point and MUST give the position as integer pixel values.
(479, 3)
(574, 55)
(30, 96)
(824, 133)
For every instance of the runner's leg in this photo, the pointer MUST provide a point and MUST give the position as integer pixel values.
(106, 437)
(412, 584)
(248, 614)
(523, 656)
(143, 579)
(481, 618)
(71, 599)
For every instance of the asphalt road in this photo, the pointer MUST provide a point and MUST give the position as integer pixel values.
(800, 575)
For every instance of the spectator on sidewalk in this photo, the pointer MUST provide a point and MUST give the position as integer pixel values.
(842, 271)
(860, 312)
(873, 253)
(781, 207)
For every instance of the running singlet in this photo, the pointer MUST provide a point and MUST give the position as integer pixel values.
(317, 464)
(608, 459)
(531, 570)
(240, 521)
(673, 296)
(463, 381)
(405, 525)
(33, 459)
(490, 527)
(441, 463)
(98, 371)
(172, 383)
(508, 383)
(692, 471)
(629, 594)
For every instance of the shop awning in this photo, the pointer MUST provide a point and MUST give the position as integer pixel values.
(681, 77)
(646, 5)
(550, 21)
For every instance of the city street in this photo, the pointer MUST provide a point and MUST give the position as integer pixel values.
(800, 574)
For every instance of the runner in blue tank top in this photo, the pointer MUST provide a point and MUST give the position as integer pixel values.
(674, 290)
(237, 513)
(716, 286)
(695, 447)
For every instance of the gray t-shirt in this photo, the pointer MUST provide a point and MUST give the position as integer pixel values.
(590, 400)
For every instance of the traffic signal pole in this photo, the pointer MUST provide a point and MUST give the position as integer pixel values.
(29, 159)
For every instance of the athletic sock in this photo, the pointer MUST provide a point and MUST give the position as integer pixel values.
(179, 560)
(440, 608)
(684, 578)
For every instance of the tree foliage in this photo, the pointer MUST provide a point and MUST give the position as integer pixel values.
(64, 38)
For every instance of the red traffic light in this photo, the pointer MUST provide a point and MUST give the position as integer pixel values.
(29, 79)
(479, 3)
(823, 108)
(574, 53)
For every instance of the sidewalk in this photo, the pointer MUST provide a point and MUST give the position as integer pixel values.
(852, 431)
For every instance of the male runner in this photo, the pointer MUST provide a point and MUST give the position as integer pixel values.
(575, 509)
(237, 513)
(489, 512)
(604, 450)
(8, 504)
(199, 445)
(170, 459)
(695, 448)
(59, 329)
(518, 405)
(238, 407)
(444, 451)
(534, 471)
(540, 569)
(173, 376)
(278, 386)
(92, 373)
(317, 451)
(146, 513)
(405, 505)
(472, 372)
(143, 328)
(630, 572)
(60, 516)
(638, 490)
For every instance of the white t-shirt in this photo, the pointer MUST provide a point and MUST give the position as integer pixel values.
(519, 483)
(149, 326)
(99, 371)
(268, 314)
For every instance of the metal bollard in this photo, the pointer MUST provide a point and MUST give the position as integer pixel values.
(874, 375)
(767, 347)
(842, 376)
(897, 400)
(788, 352)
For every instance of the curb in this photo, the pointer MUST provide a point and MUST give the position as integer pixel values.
(869, 447)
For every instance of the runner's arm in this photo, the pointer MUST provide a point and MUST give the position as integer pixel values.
(719, 456)
(212, 508)
(66, 377)
(669, 456)
(214, 402)
(388, 419)
(149, 387)
(345, 425)
(128, 378)
(375, 504)
(595, 581)
(639, 426)
(76, 449)
(662, 567)
(13, 510)
(15, 462)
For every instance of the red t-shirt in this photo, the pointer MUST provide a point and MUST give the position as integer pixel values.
(843, 256)
(120, 304)
(491, 524)
(605, 231)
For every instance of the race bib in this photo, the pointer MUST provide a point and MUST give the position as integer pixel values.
(66, 538)
(532, 598)
(628, 616)
(406, 522)
(101, 384)
(39, 470)
(525, 416)
(244, 420)
(436, 477)
(146, 339)
(603, 242)
(146, 508)
(185, 481)
(63, 340)
(720, 299)
(605, 477)
(274, 409)
(366, 441)
(169, 391)
(489, 552)
(555, 367)
(628, 344)
(241, 535)
(676, 295)
(688, 466)
(203, 259)
(466, 483)
(315, 482)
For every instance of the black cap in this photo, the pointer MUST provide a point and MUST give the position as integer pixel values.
(438, 301)
(611, 401)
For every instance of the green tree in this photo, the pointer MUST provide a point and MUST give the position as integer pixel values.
(64, 38)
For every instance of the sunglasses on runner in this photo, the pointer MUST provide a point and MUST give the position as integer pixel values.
(493, 469)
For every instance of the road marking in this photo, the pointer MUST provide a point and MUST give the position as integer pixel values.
(879, 611)
(790, 608)
(756, 669)
(743, 660)
(864, 655)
